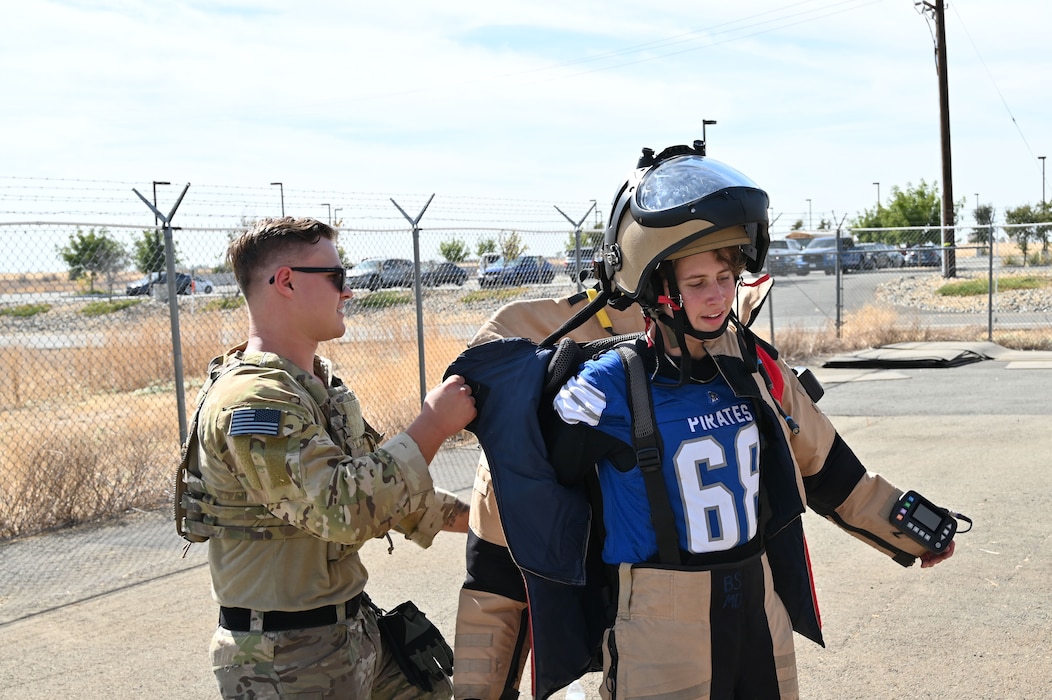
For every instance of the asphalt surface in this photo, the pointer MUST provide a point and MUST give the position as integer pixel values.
(974, 438)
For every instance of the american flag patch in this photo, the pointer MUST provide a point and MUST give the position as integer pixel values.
(255, 421)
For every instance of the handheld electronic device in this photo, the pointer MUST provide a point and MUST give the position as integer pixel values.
(923, 521)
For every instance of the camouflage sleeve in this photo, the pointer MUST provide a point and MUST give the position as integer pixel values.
(296, 470)
(440, 508)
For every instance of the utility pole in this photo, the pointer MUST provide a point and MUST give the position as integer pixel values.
(949, 258)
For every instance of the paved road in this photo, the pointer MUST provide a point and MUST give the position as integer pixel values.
(974, 438)
(810, 302)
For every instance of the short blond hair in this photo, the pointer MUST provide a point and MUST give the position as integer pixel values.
(270, 239)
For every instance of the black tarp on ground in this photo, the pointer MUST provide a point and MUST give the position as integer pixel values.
(917, 355)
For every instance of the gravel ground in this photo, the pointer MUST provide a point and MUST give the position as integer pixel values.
(921, 292)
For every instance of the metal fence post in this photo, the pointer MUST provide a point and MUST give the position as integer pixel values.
(173, 307)
(577, 240)
(417, 293)
(990, 288)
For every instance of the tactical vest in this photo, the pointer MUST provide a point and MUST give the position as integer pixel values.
(202, 511)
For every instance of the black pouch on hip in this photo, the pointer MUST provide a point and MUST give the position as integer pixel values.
(416, 644)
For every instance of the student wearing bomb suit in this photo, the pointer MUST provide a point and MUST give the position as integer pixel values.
(743, 449)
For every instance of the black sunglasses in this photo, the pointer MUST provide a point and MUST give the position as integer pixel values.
(339, 274)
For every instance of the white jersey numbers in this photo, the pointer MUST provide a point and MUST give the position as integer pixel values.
(720, 496)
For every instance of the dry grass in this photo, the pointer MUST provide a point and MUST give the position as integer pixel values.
(382, 367)
(869, 327)
(99, 424)
(89, 460)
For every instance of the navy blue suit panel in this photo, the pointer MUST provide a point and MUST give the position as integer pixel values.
(546, 524)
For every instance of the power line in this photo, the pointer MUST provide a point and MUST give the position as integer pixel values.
(993, 82)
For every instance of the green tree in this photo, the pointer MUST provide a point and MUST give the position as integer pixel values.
(589, 240)
(1024, 234)
(148, 252)
(984, 219)
(486, 245)
(454, 250)
(511, 245)
(912, 207)
(91, 254)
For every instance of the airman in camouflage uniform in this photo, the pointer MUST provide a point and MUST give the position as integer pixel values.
(287, 482)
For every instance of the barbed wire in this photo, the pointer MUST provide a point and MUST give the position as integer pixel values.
(207, 204)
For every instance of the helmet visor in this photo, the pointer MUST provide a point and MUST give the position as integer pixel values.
(683, 180)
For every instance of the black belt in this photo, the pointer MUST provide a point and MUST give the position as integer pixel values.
(240, 619)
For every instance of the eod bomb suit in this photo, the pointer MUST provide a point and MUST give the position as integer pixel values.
(492, 630)
(672, 627)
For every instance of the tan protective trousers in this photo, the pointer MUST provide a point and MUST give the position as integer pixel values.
(696, 635)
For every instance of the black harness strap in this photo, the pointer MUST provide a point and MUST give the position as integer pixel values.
(648, 454)
(589, 310)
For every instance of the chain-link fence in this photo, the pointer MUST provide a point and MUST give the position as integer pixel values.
(898, 285)
(89, 369)
(88, 366)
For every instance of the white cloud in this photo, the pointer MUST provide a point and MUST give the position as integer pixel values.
(541, 100)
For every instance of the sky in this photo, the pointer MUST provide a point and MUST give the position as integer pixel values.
(539, 101)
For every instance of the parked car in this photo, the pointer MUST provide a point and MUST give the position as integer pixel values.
(785, 257)
(525, 269)
(184, 284)
(924, 255)
(486, 260)
(433, 274)
(203, 286)
(821, 254)
(380, 273)
(587, 263)
(880, 255)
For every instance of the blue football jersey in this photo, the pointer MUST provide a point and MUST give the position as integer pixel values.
(710, 461)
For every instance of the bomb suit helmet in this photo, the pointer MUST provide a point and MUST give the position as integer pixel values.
(676, 204)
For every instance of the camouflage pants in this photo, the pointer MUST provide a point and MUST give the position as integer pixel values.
(344, 660)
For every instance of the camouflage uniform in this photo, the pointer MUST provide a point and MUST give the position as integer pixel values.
(291, 486)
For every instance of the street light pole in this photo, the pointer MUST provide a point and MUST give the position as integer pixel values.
(282, 196)
(1042, 159)
(329, 207)
(810, 219)
(878, 196)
